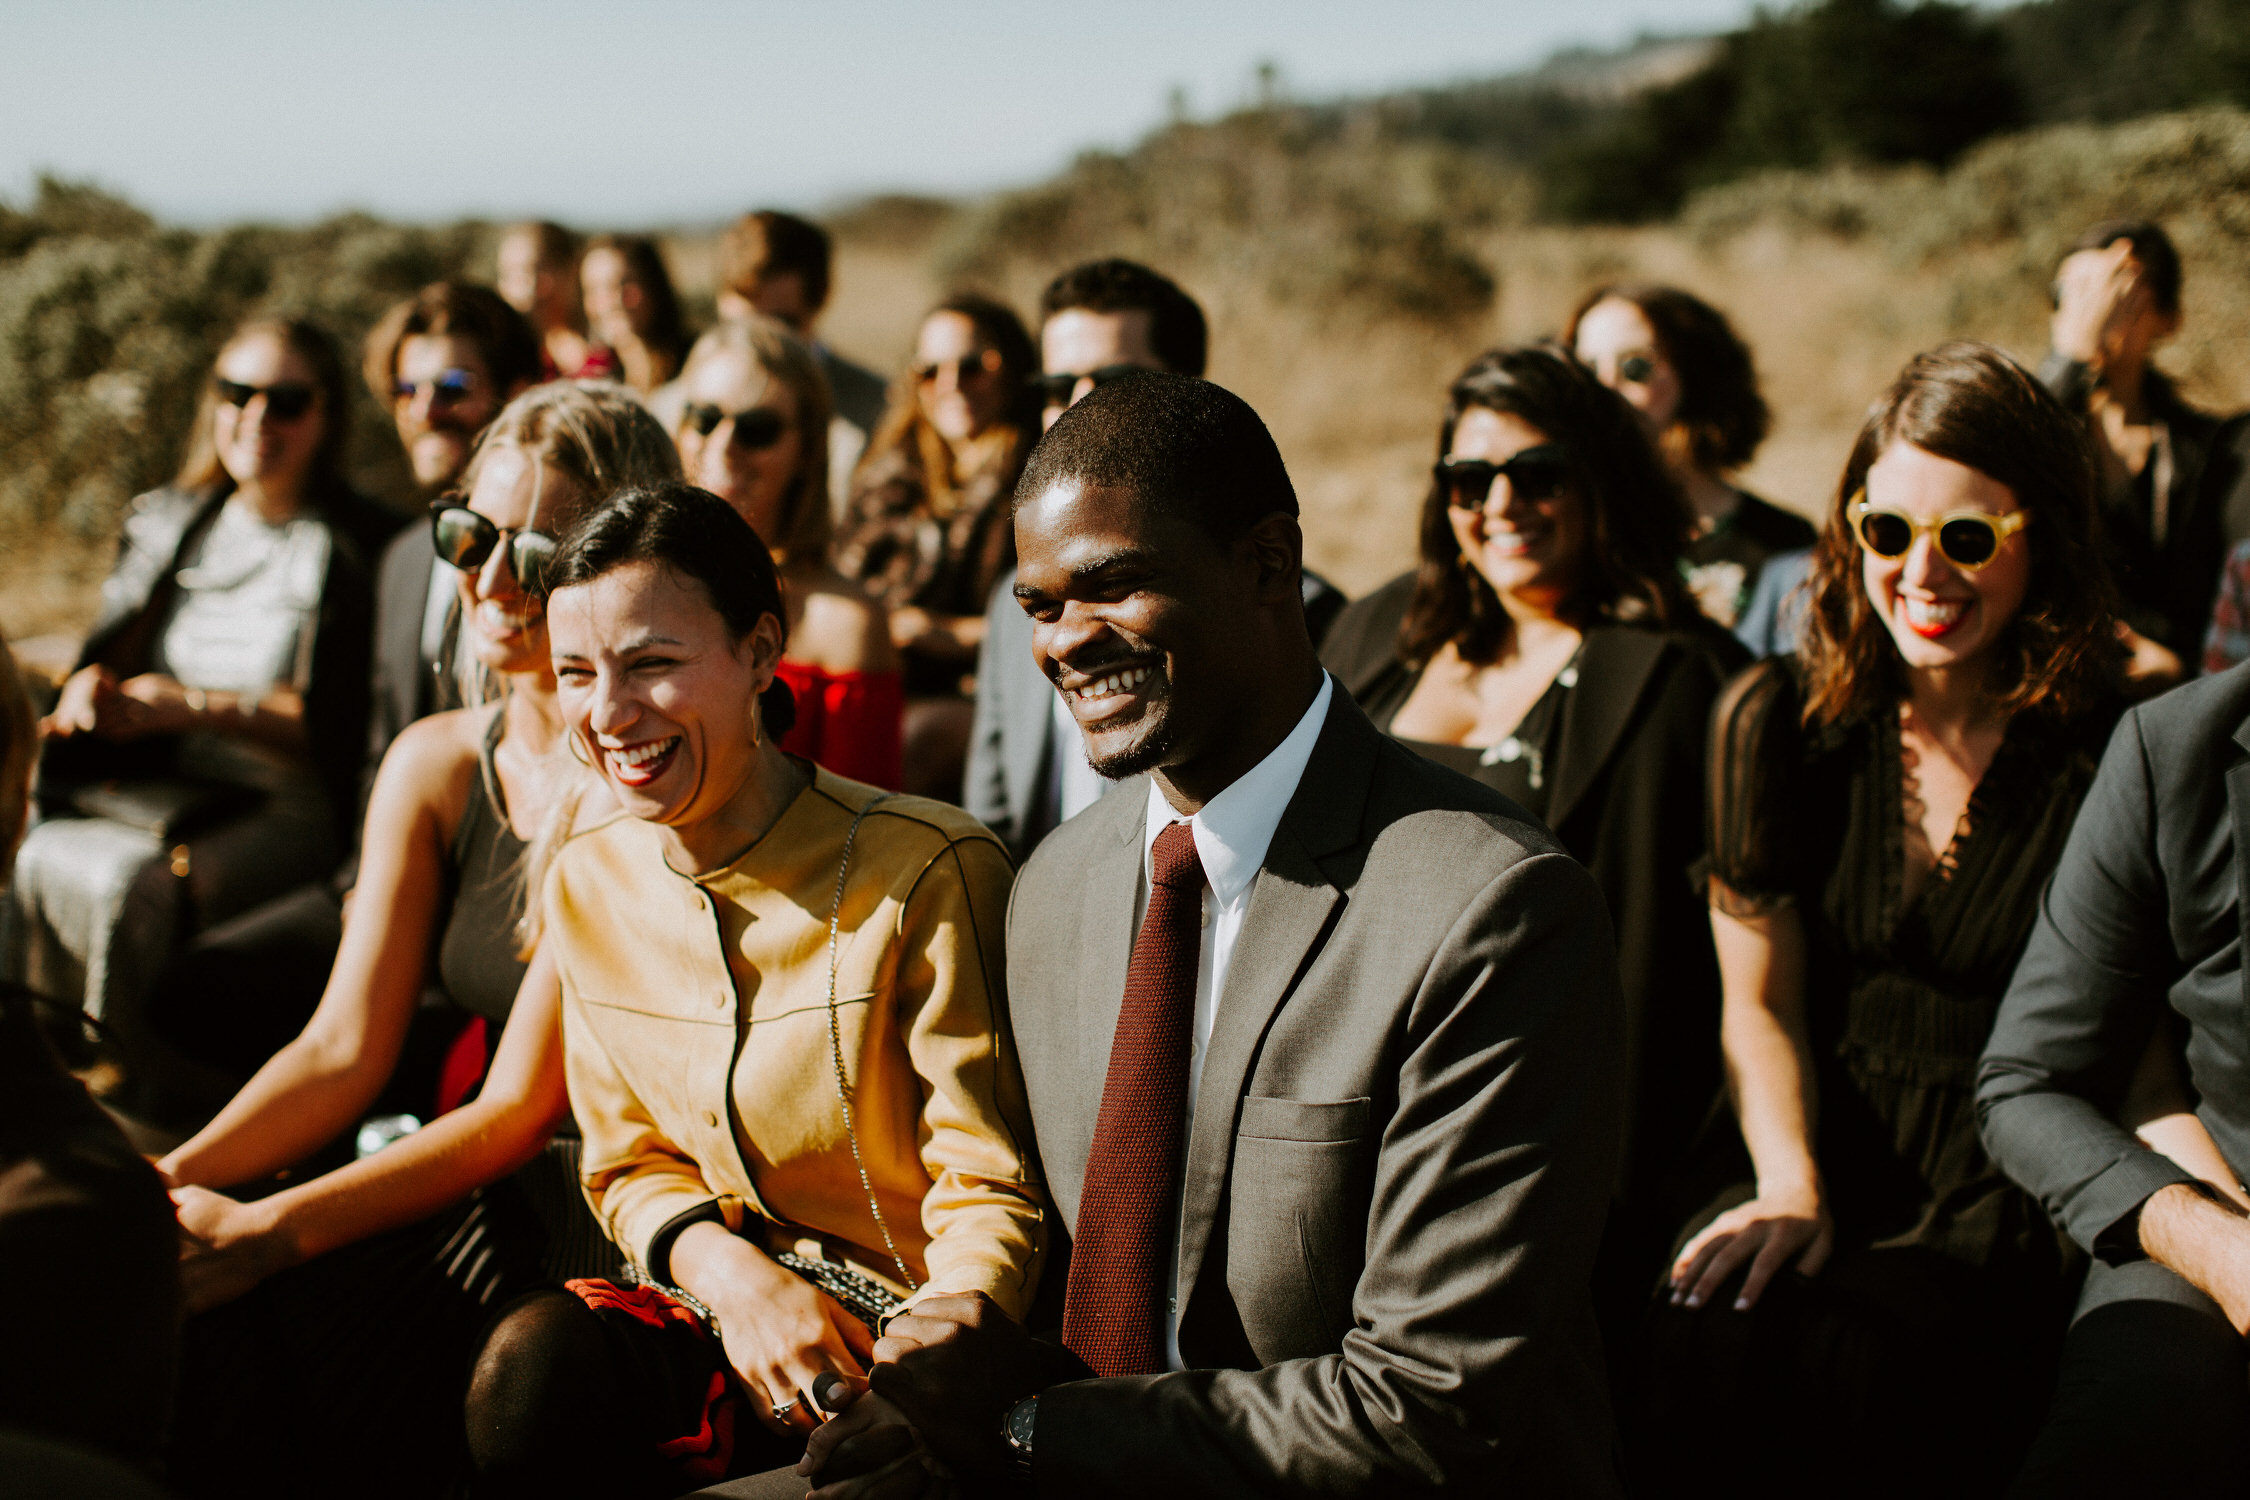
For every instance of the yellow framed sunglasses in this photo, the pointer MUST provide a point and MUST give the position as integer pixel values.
(1968, 539)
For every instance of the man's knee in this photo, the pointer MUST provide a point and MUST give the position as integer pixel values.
(2153, 1397)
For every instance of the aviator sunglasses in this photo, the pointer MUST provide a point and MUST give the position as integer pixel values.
(754, 427)
(286, 400)
(1055, 389)
(1969, 539)
(447, 387)
(1534, 475)
(466, 539)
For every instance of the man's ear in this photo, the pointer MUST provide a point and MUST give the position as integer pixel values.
(1275, 547)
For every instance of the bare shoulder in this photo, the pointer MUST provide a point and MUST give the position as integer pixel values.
(433, 761)
(839, 628)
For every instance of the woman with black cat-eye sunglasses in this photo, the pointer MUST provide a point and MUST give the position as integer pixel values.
(1546, 647)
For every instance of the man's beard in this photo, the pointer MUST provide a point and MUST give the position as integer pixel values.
(1143, 755)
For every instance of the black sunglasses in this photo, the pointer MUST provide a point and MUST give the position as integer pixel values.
(1055, 389)
(1533, 475)
(446, 387)
(466, 539)
(756, 427)
(965, 368)
(286, 400)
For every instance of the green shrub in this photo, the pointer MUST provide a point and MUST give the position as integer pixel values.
(109, 324)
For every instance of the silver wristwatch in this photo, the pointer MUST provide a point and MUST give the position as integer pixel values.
(1017, 1427)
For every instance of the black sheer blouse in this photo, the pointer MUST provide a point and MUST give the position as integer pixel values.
(1899, 994)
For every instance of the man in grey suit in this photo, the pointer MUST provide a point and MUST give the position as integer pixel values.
(2141, 933)
(1098, 322)
(1322, 1043)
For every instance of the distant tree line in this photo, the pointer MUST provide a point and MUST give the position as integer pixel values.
(1868, 81)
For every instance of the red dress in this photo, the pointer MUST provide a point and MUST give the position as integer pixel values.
(849, 722)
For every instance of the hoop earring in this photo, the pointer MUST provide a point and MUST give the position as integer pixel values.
(577, 751)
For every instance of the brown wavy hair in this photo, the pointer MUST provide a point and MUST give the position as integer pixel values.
(1637, 521)
(1970, 403)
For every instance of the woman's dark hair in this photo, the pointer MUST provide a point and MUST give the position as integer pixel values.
(905, 431)
(666, 330)
(1721, 418)
(1637, 521)
(1970, 403)
(694, 533)
(201, 469)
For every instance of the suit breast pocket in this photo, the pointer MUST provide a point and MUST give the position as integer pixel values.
(1297, 1221)
(1340, 1121)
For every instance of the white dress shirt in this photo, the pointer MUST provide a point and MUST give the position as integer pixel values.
(1232, 834)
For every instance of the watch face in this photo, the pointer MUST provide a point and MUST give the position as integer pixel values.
(1022, 1417)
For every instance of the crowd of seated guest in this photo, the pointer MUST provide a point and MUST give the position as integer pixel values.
(1662, 987)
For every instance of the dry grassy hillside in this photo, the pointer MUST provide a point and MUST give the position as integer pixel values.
(1835, 279)
(1347, 278)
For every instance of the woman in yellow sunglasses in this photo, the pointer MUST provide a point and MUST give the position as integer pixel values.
(1871, 1291)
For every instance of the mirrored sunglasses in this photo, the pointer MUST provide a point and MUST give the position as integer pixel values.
(466, 539)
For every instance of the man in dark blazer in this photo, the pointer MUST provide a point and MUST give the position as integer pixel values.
(1332, 1223)
(2141, 935)
(1025, 772)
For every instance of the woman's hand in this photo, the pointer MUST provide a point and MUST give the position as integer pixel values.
(1767, 1233)
(158, 704)
(780, 1331)
(86, 705)
(869, 1451)
(226, 1247)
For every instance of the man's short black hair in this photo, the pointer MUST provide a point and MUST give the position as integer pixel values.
(1179, 444)
(1177, 334)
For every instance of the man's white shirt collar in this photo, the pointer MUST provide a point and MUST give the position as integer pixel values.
(1235, 828)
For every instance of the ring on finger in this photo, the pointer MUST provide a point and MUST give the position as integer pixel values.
(781, 1412)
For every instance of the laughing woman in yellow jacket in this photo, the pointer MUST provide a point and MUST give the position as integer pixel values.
(784, 1034)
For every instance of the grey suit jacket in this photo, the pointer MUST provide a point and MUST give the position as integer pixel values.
(1407, 1131)
(2144, 911)
(859, 395)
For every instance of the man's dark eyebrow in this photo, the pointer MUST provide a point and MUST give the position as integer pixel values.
(1125, 560)
(643, 643)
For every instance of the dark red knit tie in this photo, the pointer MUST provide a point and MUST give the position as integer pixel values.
(1120, 1262)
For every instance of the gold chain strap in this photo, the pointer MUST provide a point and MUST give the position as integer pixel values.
(836, 1051)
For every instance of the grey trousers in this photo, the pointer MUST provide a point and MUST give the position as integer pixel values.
(2153, 1397)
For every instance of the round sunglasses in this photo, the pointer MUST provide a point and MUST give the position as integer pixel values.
(1968, 539)
(286, 400)
(466, 539)
(754, 427)
(1534, 475)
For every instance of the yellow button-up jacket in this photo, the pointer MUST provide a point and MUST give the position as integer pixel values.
(696, 1038)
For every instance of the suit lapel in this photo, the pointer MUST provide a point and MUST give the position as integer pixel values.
(1292, 903)
(1611, 675)
(1105, 948)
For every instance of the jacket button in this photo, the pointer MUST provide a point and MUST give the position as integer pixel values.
(719, 1001)
(711, 1118)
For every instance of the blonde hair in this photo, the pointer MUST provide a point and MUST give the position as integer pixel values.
(806, 520)
(19, 753)
(598, 435)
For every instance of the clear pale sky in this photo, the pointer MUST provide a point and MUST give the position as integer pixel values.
(614, 112)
